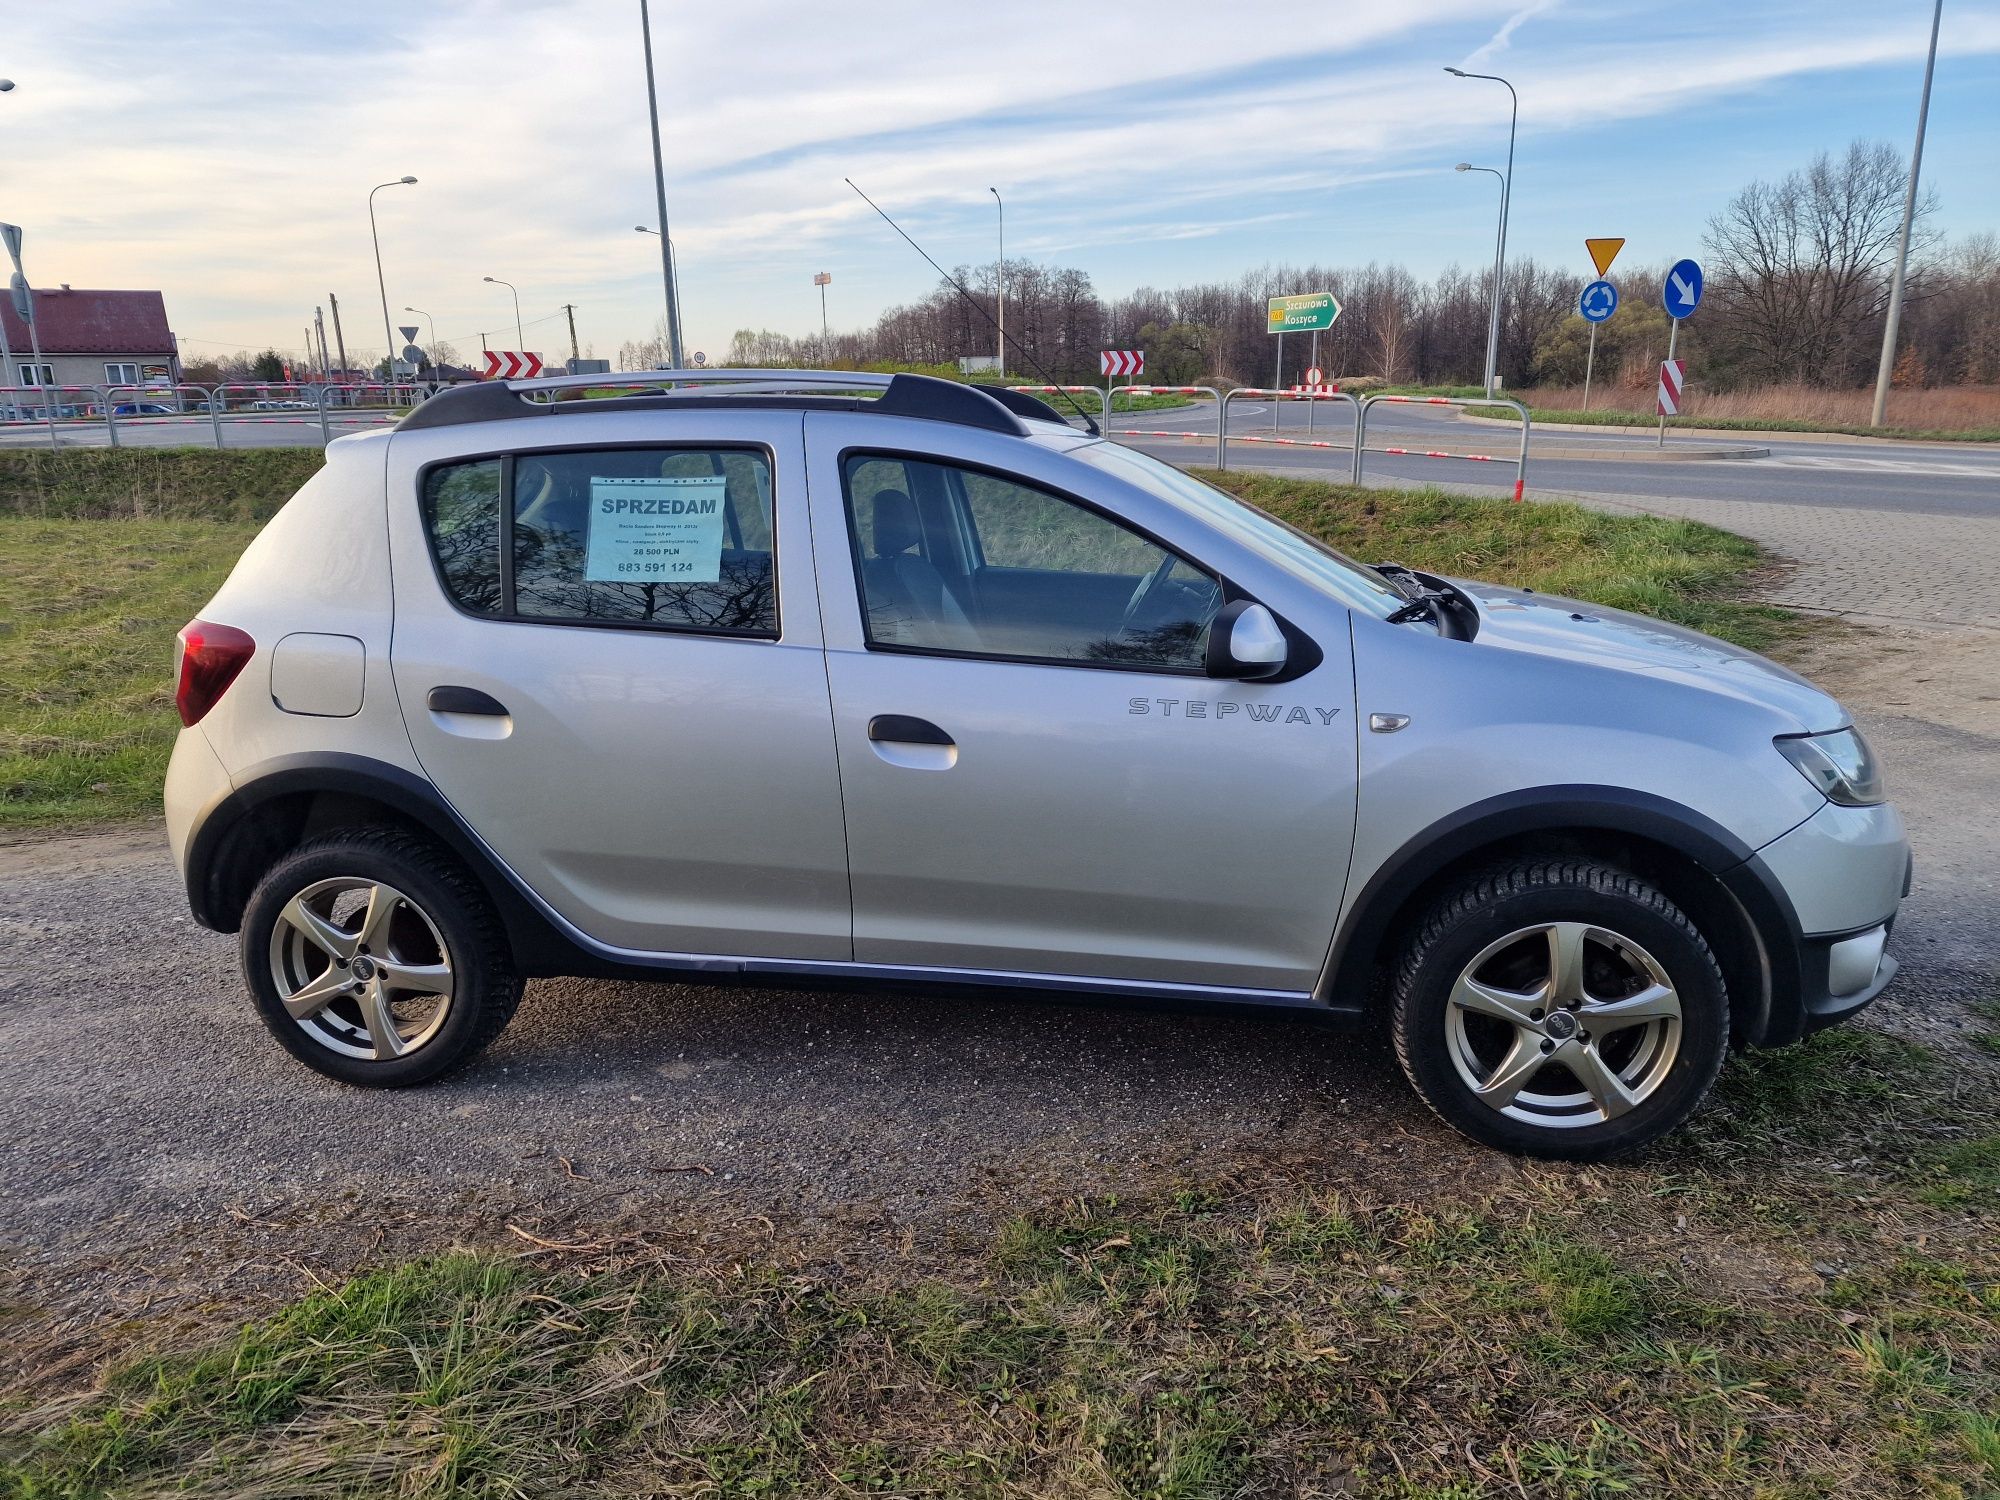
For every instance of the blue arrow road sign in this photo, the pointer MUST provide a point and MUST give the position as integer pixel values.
(1682, 290)
(1598, 302)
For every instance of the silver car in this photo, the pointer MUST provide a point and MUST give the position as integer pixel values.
(788, 677)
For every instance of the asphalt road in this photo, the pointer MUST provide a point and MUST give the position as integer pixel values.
(1932, 478)
(1943, 479)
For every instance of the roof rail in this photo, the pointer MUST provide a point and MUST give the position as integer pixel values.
(893, 395)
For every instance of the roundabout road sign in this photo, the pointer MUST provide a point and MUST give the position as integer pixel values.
(1598, 302)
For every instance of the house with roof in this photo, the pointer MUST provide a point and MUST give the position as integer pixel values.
(92, 338)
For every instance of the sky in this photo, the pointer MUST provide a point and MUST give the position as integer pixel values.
(224, 152)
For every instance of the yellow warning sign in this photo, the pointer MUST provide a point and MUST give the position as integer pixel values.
(1603, 252)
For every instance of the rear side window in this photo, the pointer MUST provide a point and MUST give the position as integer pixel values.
(462, 515)
(674, 538)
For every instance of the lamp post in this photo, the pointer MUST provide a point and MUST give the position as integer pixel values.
(673, 267)
(1466, 166)
(25, 303)
(434, 338)
(1500, 248)
(388, 343)
(520, 338)
(660, 190)
(1887, 367)
(1001, 279)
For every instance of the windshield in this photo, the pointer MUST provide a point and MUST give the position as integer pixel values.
(1354, 585)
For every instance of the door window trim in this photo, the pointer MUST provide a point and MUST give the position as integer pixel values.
(1230, 591)
(508, 615)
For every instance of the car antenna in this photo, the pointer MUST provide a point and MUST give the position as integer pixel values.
(1035, 364)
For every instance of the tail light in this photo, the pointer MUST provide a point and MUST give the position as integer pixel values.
(211, 656)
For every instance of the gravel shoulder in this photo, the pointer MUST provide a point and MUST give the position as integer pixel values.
(160, 1160)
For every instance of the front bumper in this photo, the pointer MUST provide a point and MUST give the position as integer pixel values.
(1844, 871)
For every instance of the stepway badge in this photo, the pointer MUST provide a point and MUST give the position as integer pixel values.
(656, 530)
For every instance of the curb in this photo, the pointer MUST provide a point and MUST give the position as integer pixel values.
(1738, 432)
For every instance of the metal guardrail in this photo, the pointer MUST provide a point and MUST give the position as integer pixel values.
(1520, 463)
(1103, 397)
(139, 397)
(1221, 413)
(73, 408)
(1305, 394)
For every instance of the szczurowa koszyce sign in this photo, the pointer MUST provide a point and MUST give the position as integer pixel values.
(1307, 313)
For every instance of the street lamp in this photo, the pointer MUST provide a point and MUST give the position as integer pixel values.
(520, 338)
(1001, 279)
(674, 274)
(660, 190)
(434, 338)
(1887, 369)
(1466, 166)
(1506, 198)
(388, 343)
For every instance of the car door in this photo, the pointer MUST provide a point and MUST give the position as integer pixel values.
(1039, 777)
(608, 654)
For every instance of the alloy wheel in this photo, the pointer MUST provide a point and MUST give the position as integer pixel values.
(361, 968)
(1563, 1025)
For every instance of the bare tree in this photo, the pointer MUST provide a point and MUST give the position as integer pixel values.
(1800, 266)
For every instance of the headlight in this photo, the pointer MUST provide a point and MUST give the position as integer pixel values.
(1838, 763)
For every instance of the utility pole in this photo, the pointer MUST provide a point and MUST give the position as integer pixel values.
(339, 339)
(574, 352)
(1887, 368)
(319, 325)
(660, 188)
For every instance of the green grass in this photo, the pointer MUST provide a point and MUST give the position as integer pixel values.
(89, 607)
(240, 484)
(1675, 570)
(1177, 1346)
(88, 612)
(1743, 424)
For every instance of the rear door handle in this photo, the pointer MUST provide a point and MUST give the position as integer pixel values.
(902, 729)
(464, 700)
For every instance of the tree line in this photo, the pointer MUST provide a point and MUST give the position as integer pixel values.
(1798, 274)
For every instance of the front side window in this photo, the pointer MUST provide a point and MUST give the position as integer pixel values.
(120, 374)
(38, 375)
(956, 560)
(678, 538)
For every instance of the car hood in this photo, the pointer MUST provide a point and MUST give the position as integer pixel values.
(1591, 635)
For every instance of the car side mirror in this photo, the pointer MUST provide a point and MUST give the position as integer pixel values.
(1245, 641)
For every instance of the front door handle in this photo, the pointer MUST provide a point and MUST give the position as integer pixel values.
(465, 700)
(902, 729)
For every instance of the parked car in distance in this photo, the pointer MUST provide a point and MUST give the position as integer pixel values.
(791, 678)
(142, 409)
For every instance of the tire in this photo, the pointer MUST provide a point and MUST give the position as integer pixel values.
(1642, 1014)
(375, 958)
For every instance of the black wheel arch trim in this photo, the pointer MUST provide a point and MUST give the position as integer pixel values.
(539, 948)
(1774, 1017)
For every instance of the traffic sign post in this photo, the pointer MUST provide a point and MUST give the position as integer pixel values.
(511, 364)
(1112, 362)
(1598, 302)
(1307, 312)
(1602, 253)
(1680, 295)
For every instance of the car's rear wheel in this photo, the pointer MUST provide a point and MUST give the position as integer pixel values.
(375, 959)
(1560, 1008)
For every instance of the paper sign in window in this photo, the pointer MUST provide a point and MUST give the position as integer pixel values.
(656, 530)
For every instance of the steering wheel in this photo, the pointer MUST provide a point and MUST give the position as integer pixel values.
(1142, 594)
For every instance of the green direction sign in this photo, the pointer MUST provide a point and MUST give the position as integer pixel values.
(1303, 314)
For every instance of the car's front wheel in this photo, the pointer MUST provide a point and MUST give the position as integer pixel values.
(376, 959)
(1560, 1008)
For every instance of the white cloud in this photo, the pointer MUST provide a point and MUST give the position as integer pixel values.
(226, 154)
